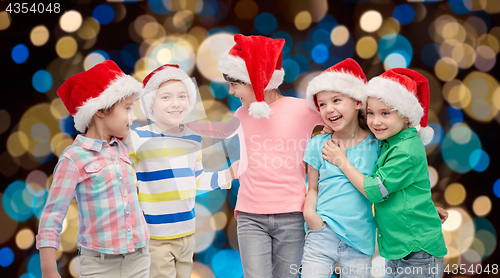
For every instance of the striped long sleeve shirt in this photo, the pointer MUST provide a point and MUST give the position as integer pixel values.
(169, 170)
(100, 177)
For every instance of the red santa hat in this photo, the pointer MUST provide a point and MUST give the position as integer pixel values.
(159, 76)
(100, 87)
(255, 60)
(346, 77)
(407, 91)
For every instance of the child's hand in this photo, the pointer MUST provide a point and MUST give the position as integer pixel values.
(327, 129)
(234, 170)
(313, 221)
(443, 214)
(334, 151)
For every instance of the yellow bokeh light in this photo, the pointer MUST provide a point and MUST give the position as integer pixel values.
(482, 206)
(460, 134)
(58, 109)
(433, 176)
(455, 194)
(66, 47)
(496, 98)
(489, 41)
(74, 267)
(182, 21)
(339, 35)
(455, 31)
(89, 30)
(464, 55)
(164, 56)
(17, 144)
(93, 59)
(218, 221)
(370, 21)
(4, 20)
(246, 9)
(25, 239)
(70, 21)
(303, 20)
(209, 53)
(39, 35)
(454, 220)
(446, 69)
(201, 271)
(4, 120)
(456, 93)
(482, 86)
(390, 26)
(366, 47)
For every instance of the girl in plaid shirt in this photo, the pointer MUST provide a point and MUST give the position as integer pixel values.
(113, 234)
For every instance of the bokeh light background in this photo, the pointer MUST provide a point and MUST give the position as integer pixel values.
(454, 43)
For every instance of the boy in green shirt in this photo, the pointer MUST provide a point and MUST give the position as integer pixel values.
(409, 232)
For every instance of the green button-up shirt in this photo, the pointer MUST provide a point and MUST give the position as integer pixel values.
(406, 218)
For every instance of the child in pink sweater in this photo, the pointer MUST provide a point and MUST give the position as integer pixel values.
(273, 132)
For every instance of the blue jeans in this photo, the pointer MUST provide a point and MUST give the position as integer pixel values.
(270, 244)
(323, 250)
(416, 264)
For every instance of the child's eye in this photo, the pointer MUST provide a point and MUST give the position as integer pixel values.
(385, 113)
(321, 104)
(369, 113)
(165, 97)
(336, 100)
(183, 96)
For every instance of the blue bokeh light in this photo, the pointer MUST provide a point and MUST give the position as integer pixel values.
(160, 6)
(438, 134)
(227, 263)
(233, 102)
(39, 200)
(6, 257)
(209, 8)
(456, 154)
(395, 43)
(42, 81)
(328, 22)
(104, 14)
(496, 188)
(456, 116)
(430, 54)
(212, 200)
(284, 35)
(219, 90)
(102, 52)
(292, 70)
(14, 201)
(67, 125)
(321, 36)
(130, 54)
(320, 53)
(404, 14)
(265, 23)
(479, 160)
(460, 6)
(20, 53)
(302, 61)
(303, 48)
(34, 267)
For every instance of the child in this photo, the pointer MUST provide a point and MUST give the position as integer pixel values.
(409, 228)
(167, 157)
(113, 235)
(339, 217)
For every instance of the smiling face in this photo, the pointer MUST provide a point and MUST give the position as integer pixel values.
(242, 91)
(337, 110)
(383, 120)
(119, 118)
(171, 105)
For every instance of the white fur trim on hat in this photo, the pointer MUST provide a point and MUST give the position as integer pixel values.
(342, 82)
(169, 73)
(396, 96)
(119, 89)
(236, 68)
(259, 110)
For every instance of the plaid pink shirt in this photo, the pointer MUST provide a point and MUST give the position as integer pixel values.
(99, 175)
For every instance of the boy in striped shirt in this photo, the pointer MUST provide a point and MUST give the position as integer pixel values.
(167, 157)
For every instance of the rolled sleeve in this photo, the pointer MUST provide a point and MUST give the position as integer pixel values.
(372, 189)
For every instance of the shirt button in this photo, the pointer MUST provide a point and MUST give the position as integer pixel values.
(379, 235)
(121, 178)
(128, 230)
(127, 212)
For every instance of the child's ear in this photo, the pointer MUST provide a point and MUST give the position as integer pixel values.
(100, 113)
(407, 121)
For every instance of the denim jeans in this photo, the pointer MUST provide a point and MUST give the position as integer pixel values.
(416, 264)
(323, 250)
(270, 244)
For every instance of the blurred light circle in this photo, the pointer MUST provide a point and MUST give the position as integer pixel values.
(320, 53)
(265, 23)
(42, 152)
(25, 239)
(485, 58)
(17, 143)
(6, 257)
(14, 203)
(183, 20)
(461, 134)
(446, 69)
(339, 35)
(457, 94)
(489, 241)
(4, 120)
(4, 20)
(496, 188)
(104, 14)
(395, 43)
(66, 47)
(481, 109)
(234, 102)
(366, 47)
(89, 29)
(473, 257)
(378, 267)
(93, 59)
(292, 70)
(20, 53)
(303, 63)
(246, 9)
(460, 6)
(37, 179)
(164, 56)
(40, 132)
(219, 88)
(34, 266)
(464, 55)
(404, 14)
(160, 6)
(454, 220)
(489, 41)
(209, 54)
(39, 35)
(42, 81)
(70, 21)
(455, 194)
(456, 116)
(58, 109)
(370, 21)
(205, 234)
(284, 35)
(227, 263)
(433, 176)
(479, 160)
(74, 267)
(151, 30)
(201, 270)
(303, 20)
(482, 206)
(321, 36)
(457, 146)
(477, 23)
(455, 31)
(394, 60)
(219, 220)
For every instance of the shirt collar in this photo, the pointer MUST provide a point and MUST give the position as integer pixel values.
(93, 144)
(401, 136)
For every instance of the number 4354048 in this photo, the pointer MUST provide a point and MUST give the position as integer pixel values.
(33, 8)
(472, 269)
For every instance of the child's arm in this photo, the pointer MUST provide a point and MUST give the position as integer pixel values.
(220, 130)
(312, 219)
(48, 262)
(443, 214)
(214, 180)
(335, 153)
